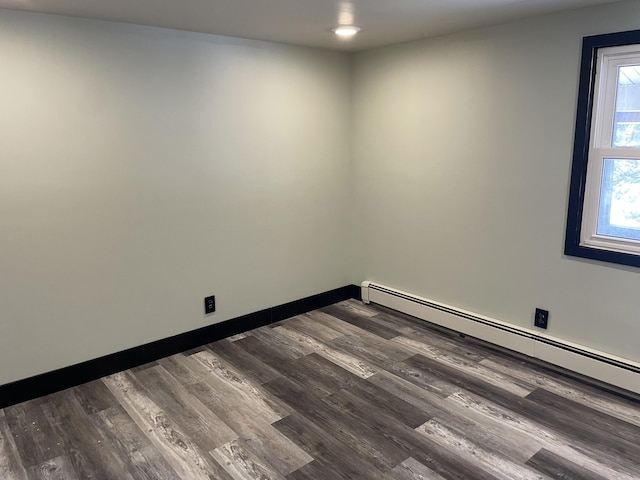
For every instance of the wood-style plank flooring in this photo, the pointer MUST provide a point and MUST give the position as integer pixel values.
(346, 392)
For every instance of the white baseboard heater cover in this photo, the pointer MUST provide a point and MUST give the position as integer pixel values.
(601, 366)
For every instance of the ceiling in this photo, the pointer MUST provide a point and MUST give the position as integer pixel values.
(308, 22)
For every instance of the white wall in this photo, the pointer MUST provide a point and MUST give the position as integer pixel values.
(142, 169)
(463, 149)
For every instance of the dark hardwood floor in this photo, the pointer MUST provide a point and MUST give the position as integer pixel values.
(346, 392)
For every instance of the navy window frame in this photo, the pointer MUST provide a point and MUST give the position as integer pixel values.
(586, 89)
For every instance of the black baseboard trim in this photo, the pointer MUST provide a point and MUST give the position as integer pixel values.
(57, 380)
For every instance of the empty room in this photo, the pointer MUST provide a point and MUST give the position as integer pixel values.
(319, 239)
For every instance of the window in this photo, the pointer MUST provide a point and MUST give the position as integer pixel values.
(603, 221)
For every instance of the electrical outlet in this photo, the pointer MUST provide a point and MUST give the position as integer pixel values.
(541, 318)
(209, 304)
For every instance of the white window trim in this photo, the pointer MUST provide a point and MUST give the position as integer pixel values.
(600, 148)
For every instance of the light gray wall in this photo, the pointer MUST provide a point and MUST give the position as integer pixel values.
(463, 151)
(142, 169)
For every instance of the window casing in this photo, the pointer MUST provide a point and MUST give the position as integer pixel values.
(603, 221)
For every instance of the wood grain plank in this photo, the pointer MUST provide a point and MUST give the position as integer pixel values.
(485, 459)
(354, 318)
(284, 344)
(10, 464)
(242, 415)
(549, 417)
(32, 433)
(405, 438)
(333, 458)
(210, 391)
(332, 420)
(381, 354)
(242, 360)
(556, 466)
(410, 319)
(450, 359)
(380, 432)
(605, 465)
(352, 331)
(423, 398)
(411, 326)
(94, 397)
(235, 338)
(358, 307)
(449, 464)
(141, 368)
(317, 375)
(239, 387)
(180, 369)
(131, 446)
(615, 405)
(461, 346)
(266, 353)
(349, 362)
(306, 324)
(182, 454)
(483, 430)
(58, 468)
(202, 426)
(242, 464)
(273, 447)
(411, 469)
(487, 412)
(339, 326)
(495, 437)
(400, 324)
(319, 469)
(375, 399)
(78, 438)
(421, 378)
(250, 421)
(597, 419)
(349, 431)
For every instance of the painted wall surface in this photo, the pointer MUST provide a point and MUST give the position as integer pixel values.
(462, 150)
(142, 169)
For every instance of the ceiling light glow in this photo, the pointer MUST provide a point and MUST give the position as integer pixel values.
(346, 31)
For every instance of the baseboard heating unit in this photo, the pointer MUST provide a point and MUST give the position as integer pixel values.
(591, 363)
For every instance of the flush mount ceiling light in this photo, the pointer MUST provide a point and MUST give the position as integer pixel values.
(346, 31)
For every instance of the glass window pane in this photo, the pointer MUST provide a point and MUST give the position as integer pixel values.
(619, 208)
(626, 128)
